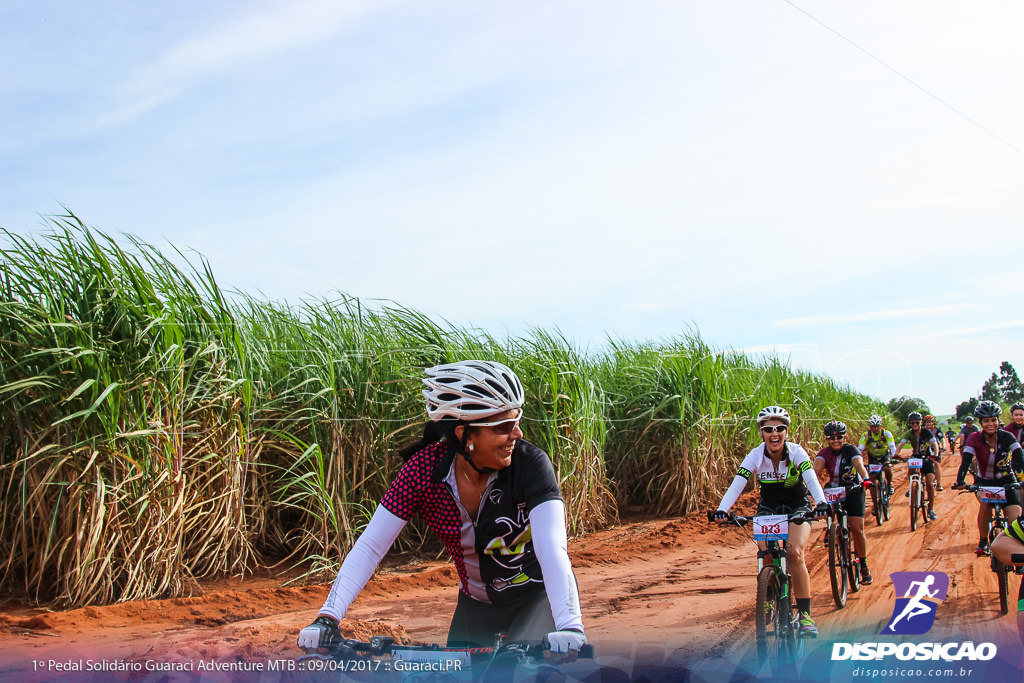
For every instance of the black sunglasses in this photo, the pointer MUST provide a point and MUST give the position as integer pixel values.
(768, 429)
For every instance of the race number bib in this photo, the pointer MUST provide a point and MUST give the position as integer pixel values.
(915, 463)
(874, 469)
(835, 494)
(992, 494)
(771, 528)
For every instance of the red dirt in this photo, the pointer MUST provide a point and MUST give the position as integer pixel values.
(684, 584)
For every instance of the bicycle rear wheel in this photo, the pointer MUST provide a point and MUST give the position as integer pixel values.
(836, 569)
(767, 614)
(852, 564)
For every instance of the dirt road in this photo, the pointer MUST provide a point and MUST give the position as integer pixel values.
(670, 589)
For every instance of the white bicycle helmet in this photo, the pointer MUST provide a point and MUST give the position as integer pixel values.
(470, 390)
(772, 413)
(875, 421)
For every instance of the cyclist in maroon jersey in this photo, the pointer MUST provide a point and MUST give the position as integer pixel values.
(1016, 426)
(999, 456)
(493, 500)
(845, 468)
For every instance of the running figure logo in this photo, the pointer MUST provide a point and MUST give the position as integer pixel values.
(922, 592)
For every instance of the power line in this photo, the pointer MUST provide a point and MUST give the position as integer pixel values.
(914, 83)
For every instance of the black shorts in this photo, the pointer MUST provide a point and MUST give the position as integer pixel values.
(527, 620)
(927, 468)
(855, 503)
(802, 508)
(1012, 495)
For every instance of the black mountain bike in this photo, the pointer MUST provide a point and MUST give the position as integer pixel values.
(843, 563)
(996, 496)
(879, 494)
(776, 619)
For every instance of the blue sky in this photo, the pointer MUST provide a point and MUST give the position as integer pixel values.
(841, 183)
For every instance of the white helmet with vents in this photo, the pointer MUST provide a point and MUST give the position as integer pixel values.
(772, 413)
(470, 390)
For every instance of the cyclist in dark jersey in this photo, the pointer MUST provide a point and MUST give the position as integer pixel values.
(965, 431)
(493, 500)
(922, 444)
(999, 456)
(786, 475)
(846, 470)
(951, 438)
(929, 424)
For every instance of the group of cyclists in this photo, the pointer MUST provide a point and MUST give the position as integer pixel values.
(493, 500)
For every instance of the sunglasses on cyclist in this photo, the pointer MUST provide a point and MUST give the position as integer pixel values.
(768, 429)
(501, 427)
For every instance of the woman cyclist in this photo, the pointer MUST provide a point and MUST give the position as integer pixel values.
(1016, 426)
(846, 469)
(493, 500)
(999, 455)
(786, 475)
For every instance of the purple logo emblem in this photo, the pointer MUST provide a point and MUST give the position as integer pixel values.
(918, 595)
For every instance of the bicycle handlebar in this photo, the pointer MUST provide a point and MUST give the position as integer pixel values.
(740, 520)
(974, 488)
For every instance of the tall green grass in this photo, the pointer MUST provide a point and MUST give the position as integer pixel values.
(155, 431)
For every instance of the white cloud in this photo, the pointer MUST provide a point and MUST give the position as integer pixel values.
(895, 314)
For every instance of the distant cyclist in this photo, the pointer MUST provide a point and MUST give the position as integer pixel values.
(999, 455)
(845, 469)
(951, 438)
(966, 430)
(1016, 426)
(786, 475)
(929, 424)
(922, 445)
(493, 501)
(880, 447)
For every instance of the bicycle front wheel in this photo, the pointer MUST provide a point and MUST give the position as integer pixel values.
(915, 503)
(836, 570)
(767, 615)
(876, 496)
(1002, 575)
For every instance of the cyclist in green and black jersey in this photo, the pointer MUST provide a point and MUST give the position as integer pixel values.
(923, 445)
(880, 446)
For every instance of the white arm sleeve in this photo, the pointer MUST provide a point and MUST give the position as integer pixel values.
(811, 479)
(362, 560)
(733, 493)
(547, 526)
